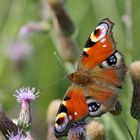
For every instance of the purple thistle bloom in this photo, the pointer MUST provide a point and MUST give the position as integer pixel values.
(77, 131)
(26, 95)
(19, 136)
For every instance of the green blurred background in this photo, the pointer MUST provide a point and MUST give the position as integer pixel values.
(42, 68)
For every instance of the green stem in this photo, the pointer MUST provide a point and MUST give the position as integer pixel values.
(128, 26)
(126, 126)
(5, 17)
(138, 130)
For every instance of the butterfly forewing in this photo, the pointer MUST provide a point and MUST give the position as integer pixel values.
(99, 46)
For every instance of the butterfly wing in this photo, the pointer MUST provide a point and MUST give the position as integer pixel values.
(104, 64)
(72, 109)
(99, 46)
(110, 74)
(102, 68)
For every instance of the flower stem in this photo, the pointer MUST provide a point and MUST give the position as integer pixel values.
(138, 130)
(128, 129)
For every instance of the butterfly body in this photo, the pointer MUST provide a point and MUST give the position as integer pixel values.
(97, 81)
(81, 78)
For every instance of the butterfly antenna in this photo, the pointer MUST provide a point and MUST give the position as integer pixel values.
(61, 63)
(53, 83)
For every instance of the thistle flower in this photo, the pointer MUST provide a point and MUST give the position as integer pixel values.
(51, 114)
(19, 51)
(19, 136)
(77, 131)
(135, 76)
(25, 96)
(96, 131)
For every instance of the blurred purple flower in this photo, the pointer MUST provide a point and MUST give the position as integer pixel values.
(33, 27)
(26, 95)
(19, 50)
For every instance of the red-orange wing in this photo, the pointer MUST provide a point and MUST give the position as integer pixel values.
(99, 46)
(76, 105)
(73, 108)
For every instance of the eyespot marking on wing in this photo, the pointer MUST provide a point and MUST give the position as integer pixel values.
(61, 123)
(95, 108)
(100, 31)
(99, 37)
(112, 61)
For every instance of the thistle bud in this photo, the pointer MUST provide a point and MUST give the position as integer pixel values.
(51, 114)
(135, 76)
(96, 131)
(65, 24)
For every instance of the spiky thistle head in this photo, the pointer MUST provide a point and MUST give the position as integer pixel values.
(51, 115)
(26, 94)
(20, 136)
(77, 131)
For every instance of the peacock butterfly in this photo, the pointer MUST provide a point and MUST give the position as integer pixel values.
(96, 83)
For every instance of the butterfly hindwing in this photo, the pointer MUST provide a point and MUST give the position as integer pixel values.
(72, 109)
(107, 80)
